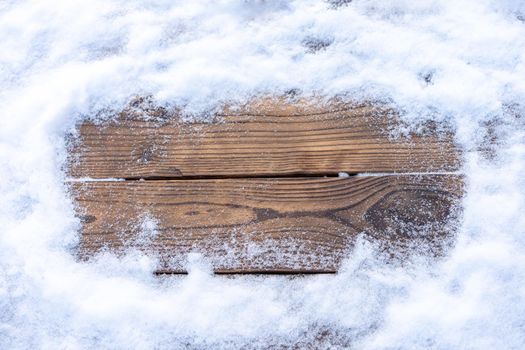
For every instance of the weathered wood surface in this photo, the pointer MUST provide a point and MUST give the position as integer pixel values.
(261, 139)
(247, 191)
(267, 225)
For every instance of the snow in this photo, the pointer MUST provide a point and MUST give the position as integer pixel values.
(461, 61)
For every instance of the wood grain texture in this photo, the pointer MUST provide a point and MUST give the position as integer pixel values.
(262, 224)
(264, 138)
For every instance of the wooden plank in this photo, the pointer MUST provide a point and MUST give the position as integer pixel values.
(261, 139)
(267, 224)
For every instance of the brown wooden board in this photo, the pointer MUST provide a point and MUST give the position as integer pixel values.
(267, 224)
(275, 138)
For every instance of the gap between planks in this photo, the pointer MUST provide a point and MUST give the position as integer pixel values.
(252, 272)
(260, 176)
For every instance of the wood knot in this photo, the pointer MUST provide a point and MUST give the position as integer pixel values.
(145, 153)
(410, 213)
